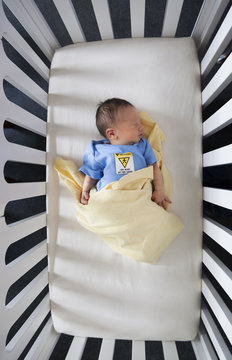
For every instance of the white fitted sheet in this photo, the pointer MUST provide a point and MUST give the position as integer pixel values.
(95, 291)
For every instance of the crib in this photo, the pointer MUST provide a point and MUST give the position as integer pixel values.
(31, 30)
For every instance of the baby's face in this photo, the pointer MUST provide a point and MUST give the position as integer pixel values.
(128, 128)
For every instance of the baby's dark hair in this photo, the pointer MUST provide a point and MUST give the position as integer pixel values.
(106, 113)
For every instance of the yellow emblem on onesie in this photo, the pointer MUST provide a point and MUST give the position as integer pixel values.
(124, 163)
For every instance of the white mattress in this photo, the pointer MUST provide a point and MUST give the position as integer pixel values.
(94, 291)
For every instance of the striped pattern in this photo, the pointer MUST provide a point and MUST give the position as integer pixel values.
(216, 284)
(56, 23)
(88, 348)
(31, 32)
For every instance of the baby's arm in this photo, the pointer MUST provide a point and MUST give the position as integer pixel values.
(158, 194)
(87, 185)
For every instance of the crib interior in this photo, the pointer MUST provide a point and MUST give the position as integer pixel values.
(31, 30)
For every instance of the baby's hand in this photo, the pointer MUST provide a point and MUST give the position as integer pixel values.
(84, 197)
(160, 199)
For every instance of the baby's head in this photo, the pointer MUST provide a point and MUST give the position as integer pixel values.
(119, 122)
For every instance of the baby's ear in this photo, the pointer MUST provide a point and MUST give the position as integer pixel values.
(110, 133)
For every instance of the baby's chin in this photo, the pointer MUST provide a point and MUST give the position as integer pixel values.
(129, 142)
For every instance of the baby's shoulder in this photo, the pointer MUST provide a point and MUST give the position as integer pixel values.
(94, 143)
(142, 143)
(97, 147)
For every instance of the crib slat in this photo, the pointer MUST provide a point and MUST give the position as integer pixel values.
(29, 24)
(202, 345)
(18, 307)
(9, 235)
(171, 17)
(68, 15)
(215, 336)
(138, 350)
(219, 270)
(26, 254)
(219, 43)
(218, 157)
(38, 345)
(10, 110)
(16, 152)
(203, 21)
(198, 348)
(18, 191)
(23, 118)
(24, 82)
(209, 16)
(218, 196)
(21, 229)
(20, 45)
(219, 119)
(29, 87)
(30, 332)
(107, 350)
(220, 80)
(30, 326)
(218, 306)
(18, 116)
(101, 10)
(37, 284)
(76, 349)
(14, 272)
(218, 233)
(47, 345)
(170, 350)
(137, 10)
(44, 345)
(42, 25)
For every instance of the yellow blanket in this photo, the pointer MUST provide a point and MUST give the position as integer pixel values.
(122, 213)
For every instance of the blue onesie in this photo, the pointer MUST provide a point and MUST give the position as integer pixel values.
(109, 163)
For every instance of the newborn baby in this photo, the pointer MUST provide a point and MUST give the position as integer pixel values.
(123, 150)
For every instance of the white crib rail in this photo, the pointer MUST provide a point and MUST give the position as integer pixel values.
(220, 119)
(215, 336)
(35, 25)
(168, 349)
(219, 43)
(220, 309)
(35, 338)
(16, 321)
(20, 303)
(171, 18)
(70, 20)
(218, 83)
(218, 233)
(215, 314)
(137, 9)
(210, 14)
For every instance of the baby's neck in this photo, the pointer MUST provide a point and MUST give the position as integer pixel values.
(121, 143)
